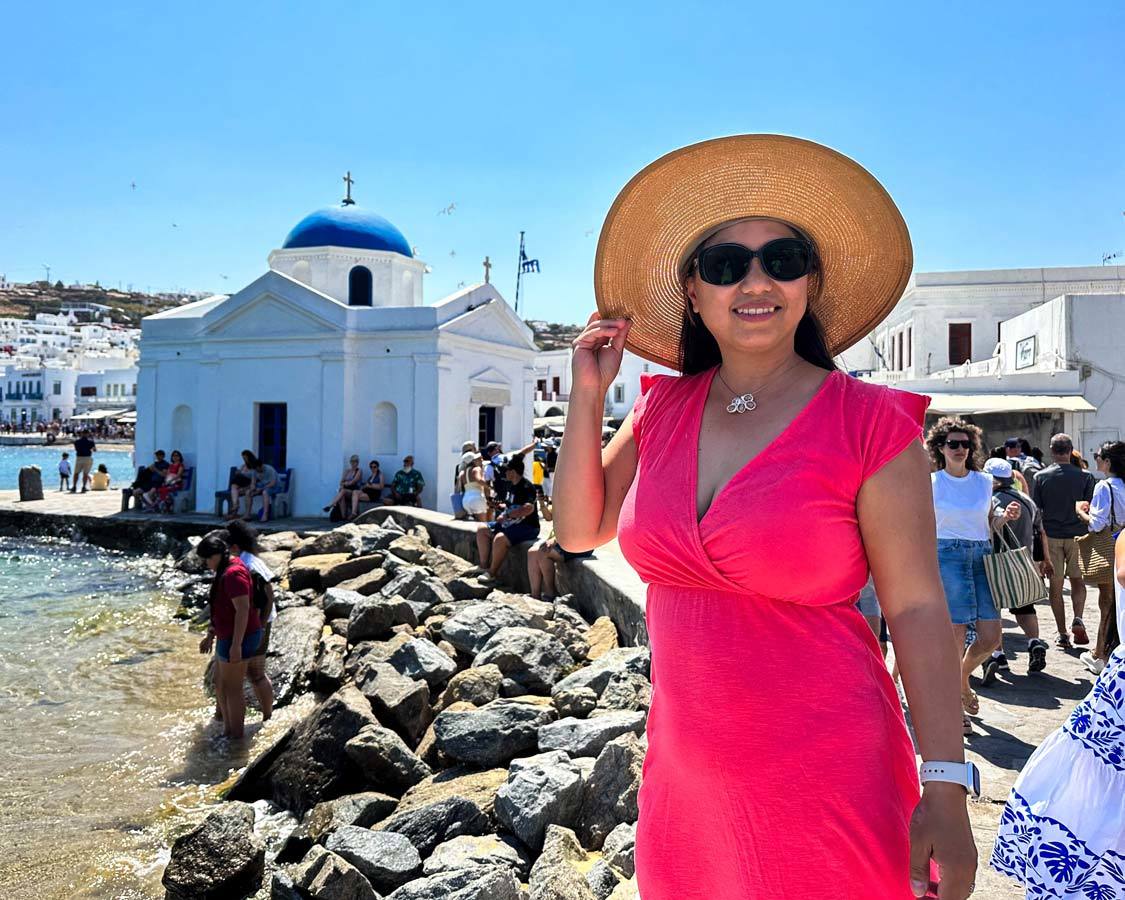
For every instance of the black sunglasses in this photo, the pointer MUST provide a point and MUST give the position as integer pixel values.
(958, 445)
(783, 259)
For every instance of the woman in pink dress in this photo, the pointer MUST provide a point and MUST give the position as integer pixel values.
(752, 494)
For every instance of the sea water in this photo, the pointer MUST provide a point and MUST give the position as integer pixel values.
(105, 732)
(118, 461)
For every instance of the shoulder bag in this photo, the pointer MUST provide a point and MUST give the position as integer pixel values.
(1095, 550)
(1012, 575)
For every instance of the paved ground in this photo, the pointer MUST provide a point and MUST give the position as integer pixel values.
(1017, 712)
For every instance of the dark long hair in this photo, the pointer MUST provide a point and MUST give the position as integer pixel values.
(211, 545)
(699, 351)
(243, 535)
(1113, 452)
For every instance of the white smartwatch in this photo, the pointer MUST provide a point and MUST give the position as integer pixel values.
(965, 774)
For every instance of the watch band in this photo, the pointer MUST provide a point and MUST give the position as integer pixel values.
(965, 774)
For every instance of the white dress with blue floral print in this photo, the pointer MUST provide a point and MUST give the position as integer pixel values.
(1063, 831)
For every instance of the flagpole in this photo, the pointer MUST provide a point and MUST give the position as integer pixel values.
(519, 273)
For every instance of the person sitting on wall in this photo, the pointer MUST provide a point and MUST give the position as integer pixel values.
(267, 486)
(517, 524)
(350, 482)
(372, 488)
(241, 482)
(407, 485)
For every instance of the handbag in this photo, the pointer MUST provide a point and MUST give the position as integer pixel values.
(1095, 550)
(1012, 575)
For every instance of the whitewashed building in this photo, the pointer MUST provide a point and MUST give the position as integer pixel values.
(333, 352)
(1023, 352)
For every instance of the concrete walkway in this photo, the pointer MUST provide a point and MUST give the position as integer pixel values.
(1016, 714)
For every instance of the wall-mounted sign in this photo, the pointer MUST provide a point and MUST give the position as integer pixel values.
(1025, 353)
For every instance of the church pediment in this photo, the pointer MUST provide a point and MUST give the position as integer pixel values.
(266, 315)
(493, 322)
(491, 376)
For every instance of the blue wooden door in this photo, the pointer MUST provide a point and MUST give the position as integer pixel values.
(272, 434)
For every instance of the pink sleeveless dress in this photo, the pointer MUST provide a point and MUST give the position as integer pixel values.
(779, 766)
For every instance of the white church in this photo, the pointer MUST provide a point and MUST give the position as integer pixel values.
(333, 352)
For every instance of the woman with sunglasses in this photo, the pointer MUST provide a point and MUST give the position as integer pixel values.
(752, 495)
(966, 517)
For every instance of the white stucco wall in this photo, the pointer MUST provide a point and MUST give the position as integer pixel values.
(396, 279)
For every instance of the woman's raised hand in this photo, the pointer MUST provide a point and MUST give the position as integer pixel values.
(597, 353)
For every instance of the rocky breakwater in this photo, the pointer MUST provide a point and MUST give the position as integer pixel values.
(468, 744)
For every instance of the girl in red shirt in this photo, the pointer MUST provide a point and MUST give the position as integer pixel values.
(236, 627)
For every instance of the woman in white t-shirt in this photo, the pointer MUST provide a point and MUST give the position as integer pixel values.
(1106, 509)
(965, 520)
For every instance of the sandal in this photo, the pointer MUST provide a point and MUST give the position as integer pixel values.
(970, 702)
(966, 725)
(1078, 629)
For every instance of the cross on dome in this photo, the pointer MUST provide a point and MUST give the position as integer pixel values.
(349, 181)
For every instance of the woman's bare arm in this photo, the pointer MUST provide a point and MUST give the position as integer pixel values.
(896, 520)
(589, 483)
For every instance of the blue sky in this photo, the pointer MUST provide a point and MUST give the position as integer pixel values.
(998, 128)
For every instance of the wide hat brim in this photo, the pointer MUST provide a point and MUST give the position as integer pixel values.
(673, 203)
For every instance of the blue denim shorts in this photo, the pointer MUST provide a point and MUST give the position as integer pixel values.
(967, 593)
(250, 644)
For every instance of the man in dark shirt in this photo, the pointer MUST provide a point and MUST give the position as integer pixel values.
(518, 524)
(1055, 490)
(83, 460)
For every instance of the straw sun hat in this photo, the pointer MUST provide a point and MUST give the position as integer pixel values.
(672, 205)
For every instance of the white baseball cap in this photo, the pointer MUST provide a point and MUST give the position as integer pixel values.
(998, 468)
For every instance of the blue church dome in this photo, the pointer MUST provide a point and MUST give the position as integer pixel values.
(346, 226)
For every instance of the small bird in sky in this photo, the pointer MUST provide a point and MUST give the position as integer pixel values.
(447, 211)
(589, 231)
(460, 284)
(222, 276)
(133, 185)
(452, 252)
(174, 225)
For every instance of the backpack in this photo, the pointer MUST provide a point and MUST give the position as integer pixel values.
(259, 594)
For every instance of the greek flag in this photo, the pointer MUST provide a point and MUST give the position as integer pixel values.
(527, 265)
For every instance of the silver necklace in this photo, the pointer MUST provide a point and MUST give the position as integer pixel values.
(741, 403)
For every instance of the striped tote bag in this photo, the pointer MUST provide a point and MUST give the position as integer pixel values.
(1011, 573)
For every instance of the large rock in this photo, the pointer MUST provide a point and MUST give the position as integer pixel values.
(388, 860)
(539, 612)
(493, 734)
(367, 653)
(575, 702)
(314, 765)
(601, 637)
(351, 568)
(470, 629)
(532, 658)
(477, 685)
(437, 822)
(363, 809)
(294, 646)
(330, 672)
(587, 737)
(474, 883)
(374, 617)
(306, 572)
(466, 587)
(405, 579)
(409, 548)
(427, 594)
(31, 483)
(286, 541)
(367, 584)
(540, 790)
(346, 540)
(325, 876)
(276, 560)
(597, 675)
(445, 565)
(373, 536)
(338, 602)
(400, 703)
(421, 660)
(221, 857)
(620, 847)
(386, 762)
(610, 795)
(626, 690)
(559, 873)
(468, 851)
